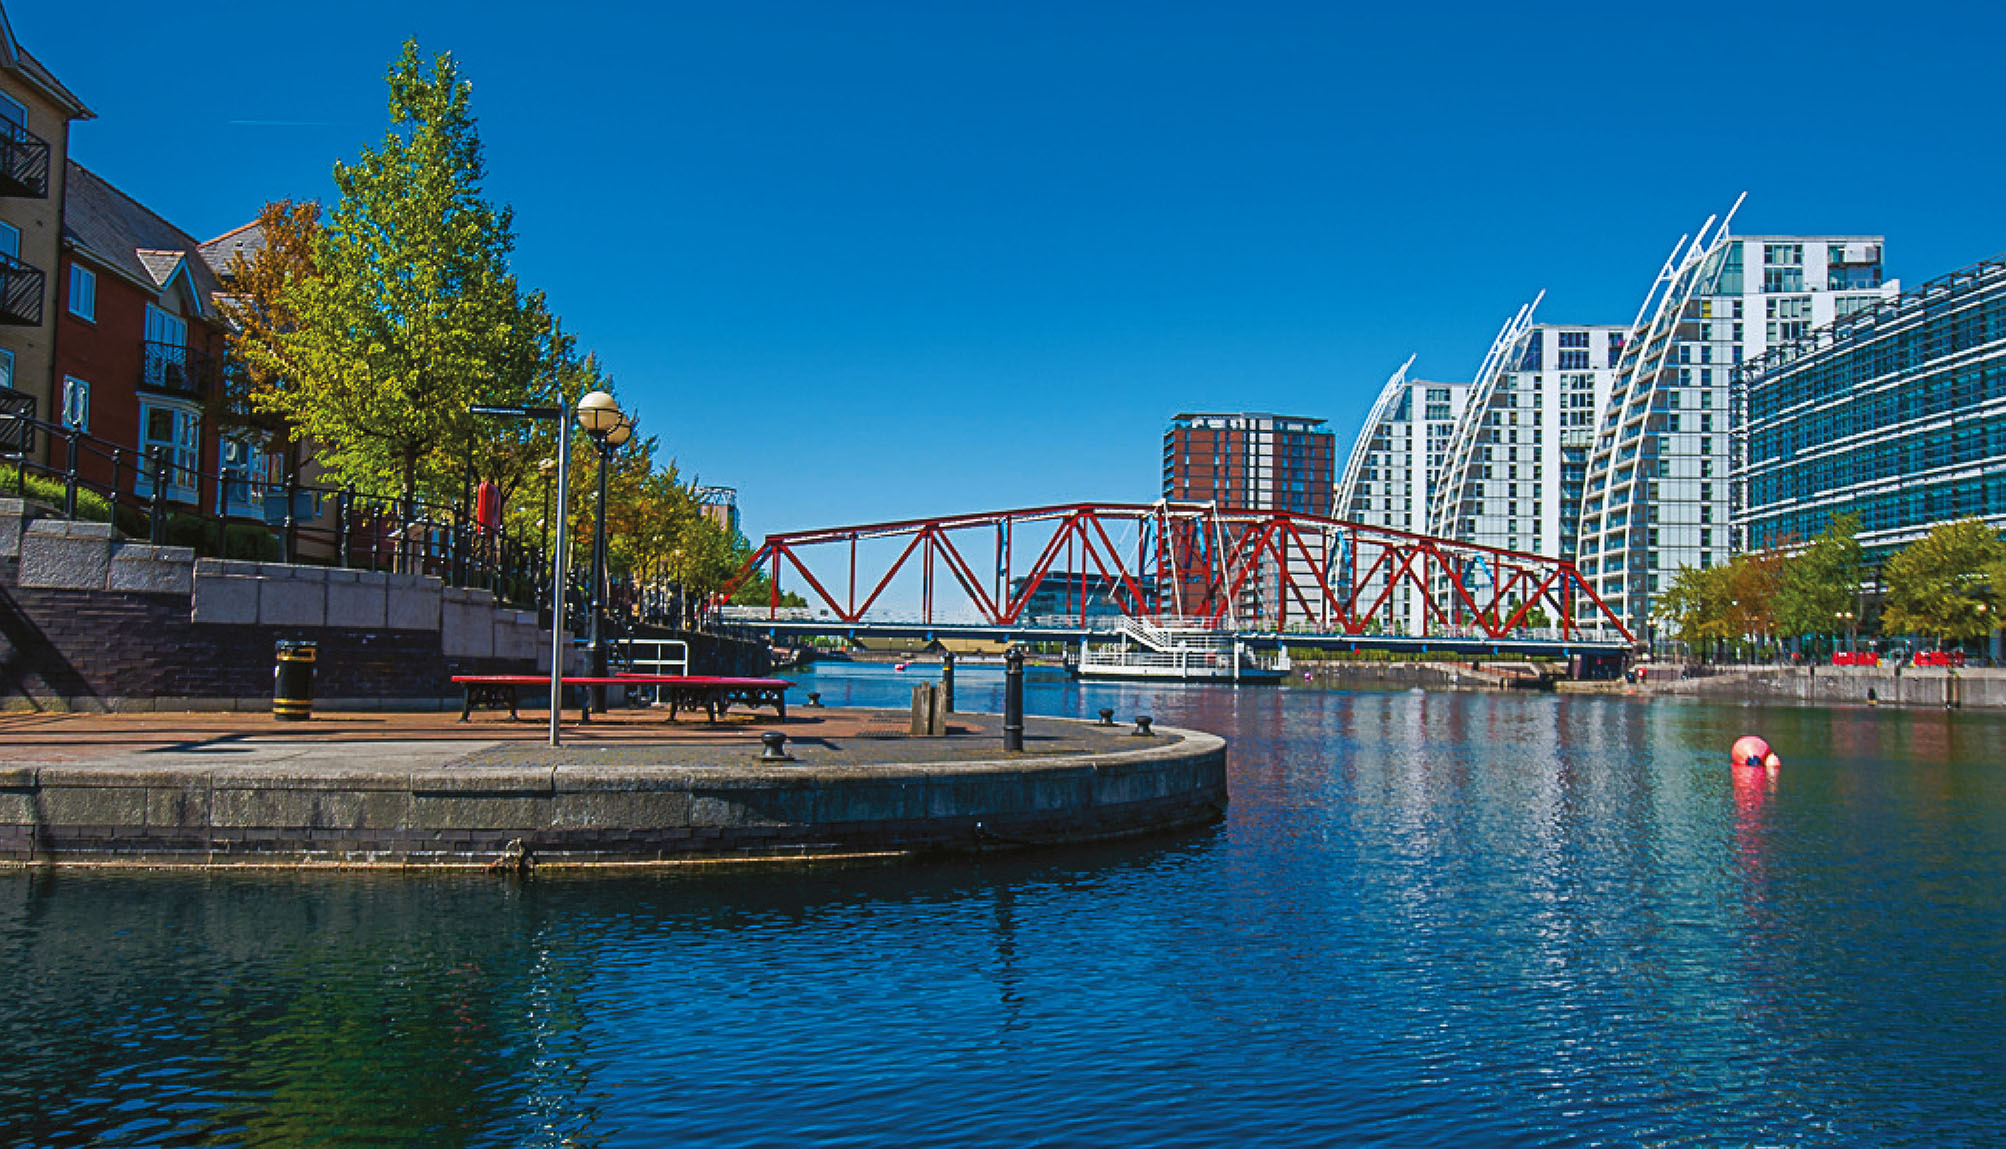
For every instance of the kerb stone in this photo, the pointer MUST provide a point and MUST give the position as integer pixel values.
(153, 570)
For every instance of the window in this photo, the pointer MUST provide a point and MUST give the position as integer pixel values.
(6, 370)
(12, 112)
(240, 466)
(1574, 339)
(83, 292)
(173, 435)
(76, 403)
(10, 241)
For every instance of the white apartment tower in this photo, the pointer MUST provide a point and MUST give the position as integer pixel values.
(1513, 474)
(1657, 497)
(1395, 462)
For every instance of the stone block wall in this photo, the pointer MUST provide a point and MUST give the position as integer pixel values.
(91, 622)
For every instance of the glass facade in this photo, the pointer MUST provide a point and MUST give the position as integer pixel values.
(1896, 412)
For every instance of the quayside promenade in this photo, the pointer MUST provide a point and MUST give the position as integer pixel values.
(389, 789)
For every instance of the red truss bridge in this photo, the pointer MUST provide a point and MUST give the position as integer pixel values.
(1064, 572)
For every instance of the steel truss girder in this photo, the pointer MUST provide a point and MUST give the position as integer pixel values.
(1245, 568)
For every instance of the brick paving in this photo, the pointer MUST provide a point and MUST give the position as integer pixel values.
(365, 740)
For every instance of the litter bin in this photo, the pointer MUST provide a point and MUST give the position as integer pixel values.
(292, 681)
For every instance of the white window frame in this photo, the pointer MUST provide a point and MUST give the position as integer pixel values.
(76, 404)
(184, 449)
(83, 292)
(240, 485)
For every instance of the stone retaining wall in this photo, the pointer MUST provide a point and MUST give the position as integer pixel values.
(1860, 685)
(587, 814)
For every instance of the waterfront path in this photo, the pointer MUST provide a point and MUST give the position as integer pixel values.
(423, 789)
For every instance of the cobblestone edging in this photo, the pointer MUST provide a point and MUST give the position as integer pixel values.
(561, 812)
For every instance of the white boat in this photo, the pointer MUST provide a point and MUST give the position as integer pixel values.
(1175, 652)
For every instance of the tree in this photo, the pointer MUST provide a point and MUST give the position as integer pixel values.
(261, 315)
(413, 316)
(1948, 583)
(1822, 584)
(1695, 605)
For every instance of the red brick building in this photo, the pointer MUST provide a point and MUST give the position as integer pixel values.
(1250, 462)
(140, 354)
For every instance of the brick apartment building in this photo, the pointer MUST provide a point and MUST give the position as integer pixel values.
(35, 116)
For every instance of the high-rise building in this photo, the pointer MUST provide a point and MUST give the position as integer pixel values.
(1394, 465)
(1249, 462)
(1513, 473)
(1896, 412)
(1656, 495)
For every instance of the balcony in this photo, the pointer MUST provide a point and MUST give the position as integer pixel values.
(24, 162)
(20, 293)
(177, 370)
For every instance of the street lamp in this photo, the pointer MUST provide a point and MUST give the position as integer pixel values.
(1852, 633)
(561, 413)
(599, 416)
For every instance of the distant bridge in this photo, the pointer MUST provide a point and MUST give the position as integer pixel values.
(1268, 576)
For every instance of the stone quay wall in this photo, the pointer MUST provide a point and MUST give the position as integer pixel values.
(1972, 687)
(89, 622)
(585, 814)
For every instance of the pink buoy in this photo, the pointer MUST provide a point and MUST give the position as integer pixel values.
(1750, 750)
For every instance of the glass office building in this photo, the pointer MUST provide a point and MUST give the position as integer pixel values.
(1896, 412)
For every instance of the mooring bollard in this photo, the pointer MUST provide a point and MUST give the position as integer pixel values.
(1107, 716)
(775, 747)
(1142, 729)
(947, 681)
(1013, 699)
(815, 699)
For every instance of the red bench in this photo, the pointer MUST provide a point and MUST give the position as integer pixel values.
(680, 691)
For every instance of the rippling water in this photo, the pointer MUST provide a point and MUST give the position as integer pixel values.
(1428, 919)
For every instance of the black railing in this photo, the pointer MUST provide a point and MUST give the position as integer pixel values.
(24, 162)
(178, 370)
(20, 293)
(141, 492)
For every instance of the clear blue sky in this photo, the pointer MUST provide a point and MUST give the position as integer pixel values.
(868, 260)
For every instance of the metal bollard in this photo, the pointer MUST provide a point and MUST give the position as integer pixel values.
(1107, 716)
(775, 744)
(947, 681)
(1142, 729)
(1013, 699)
(292, 680)
(815, 699)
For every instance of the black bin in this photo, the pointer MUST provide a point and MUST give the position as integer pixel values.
(292, 681)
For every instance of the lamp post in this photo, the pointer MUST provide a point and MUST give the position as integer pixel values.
(562, 414)
(1851, 623)
(600, 417)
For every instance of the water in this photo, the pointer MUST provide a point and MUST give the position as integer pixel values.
(1428, 919)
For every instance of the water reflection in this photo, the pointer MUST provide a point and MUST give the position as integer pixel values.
(1427, 917)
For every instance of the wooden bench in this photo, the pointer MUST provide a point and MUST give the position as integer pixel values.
(681, 691)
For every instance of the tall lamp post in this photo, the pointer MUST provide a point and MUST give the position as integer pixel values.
(600, 417)
(1851, 622)
(562, 415)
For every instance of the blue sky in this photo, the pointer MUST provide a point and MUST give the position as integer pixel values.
(878, 260)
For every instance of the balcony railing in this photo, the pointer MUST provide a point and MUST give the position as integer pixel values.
(20, 293)
(178, 370)
(24, 162)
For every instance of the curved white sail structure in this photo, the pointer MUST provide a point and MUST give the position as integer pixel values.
(1472, 429)
(1389, 397)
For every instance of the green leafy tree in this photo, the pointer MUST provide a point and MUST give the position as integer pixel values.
(1822, 585)
(1695, 606)
(412, 316)
(1947, 584)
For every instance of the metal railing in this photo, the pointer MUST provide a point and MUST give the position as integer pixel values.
(141, 491)
(24, 162)
(20, 293)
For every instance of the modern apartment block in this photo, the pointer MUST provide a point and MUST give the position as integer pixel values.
(1896, 412)
(1657, 491)
(1249, 462)
(1513, 474)
(35, 115)
(1396, 462)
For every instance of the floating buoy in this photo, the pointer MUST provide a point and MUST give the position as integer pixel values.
(1750, 750)
(902, 666)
